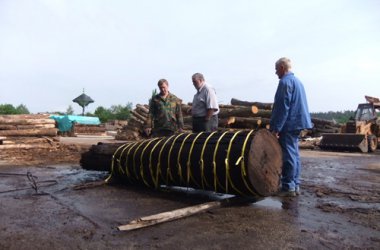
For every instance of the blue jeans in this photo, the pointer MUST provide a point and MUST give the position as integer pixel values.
(291, 167)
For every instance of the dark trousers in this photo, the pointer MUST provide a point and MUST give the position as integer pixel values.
(200, 124)
(162, 133)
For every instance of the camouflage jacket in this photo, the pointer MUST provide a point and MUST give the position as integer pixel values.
(165, 113)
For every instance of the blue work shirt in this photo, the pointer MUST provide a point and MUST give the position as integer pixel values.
(290, 110)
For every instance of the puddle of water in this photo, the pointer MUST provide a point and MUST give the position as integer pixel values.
(269, 202)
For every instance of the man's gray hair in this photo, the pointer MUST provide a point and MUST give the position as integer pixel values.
(198, 76)
(284, 61)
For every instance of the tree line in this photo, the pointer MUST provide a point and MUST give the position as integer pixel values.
(337, 116)
(115, 112)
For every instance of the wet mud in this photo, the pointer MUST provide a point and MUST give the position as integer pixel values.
(61, 206)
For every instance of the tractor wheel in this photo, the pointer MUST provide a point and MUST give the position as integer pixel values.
(372, 143)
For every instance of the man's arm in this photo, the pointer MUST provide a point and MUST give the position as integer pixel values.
(210, 113)
(280, 107)
(179, 116)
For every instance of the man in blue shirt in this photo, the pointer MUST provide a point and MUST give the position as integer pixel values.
(290, 115)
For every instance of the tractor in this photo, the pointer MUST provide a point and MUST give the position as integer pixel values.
(360, 133)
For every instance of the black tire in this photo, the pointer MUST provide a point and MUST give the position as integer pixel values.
(372, 143)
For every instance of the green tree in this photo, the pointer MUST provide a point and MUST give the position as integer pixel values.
(69, 110)
(339, 116)
(103, 114)
(7, 109)
(115, 112)
(22, 109)
(121, 112)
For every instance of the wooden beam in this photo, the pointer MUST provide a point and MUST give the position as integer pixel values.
(168, 216)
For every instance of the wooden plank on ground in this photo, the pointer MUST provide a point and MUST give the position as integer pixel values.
(168, 216)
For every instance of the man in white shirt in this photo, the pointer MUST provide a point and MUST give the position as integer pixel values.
(205, 106)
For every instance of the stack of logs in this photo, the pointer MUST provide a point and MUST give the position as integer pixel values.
(89, 129)
(134, 130)
(324, 126)
(237, 115)
(27, 131)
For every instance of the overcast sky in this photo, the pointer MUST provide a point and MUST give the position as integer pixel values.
(117, 50)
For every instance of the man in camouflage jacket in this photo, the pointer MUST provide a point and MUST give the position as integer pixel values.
(165, 113)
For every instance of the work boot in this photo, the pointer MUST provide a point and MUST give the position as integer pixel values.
(288, 193)
(298, 191)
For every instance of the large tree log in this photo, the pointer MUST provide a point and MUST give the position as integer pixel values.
(135, 120)
(15, 127)
(230, 106)
(29, 140)
(27, 146)
(26, 116)
(13, 121)
(241, 162)
(261, 112)
(99, 157)
(7, 127)
(30, 132)
(139, 116)
(244, 122)
(322, 122)
(260, 105)
(142, 108)
(142, 113)
(88, 129)
(240, 111)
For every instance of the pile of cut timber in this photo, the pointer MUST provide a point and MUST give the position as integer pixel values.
(27, 131)
(262, 113)
(322, 126)
(89, 129)
(134, 130)
(237, 115)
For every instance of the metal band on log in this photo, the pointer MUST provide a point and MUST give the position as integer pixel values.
(246, 163)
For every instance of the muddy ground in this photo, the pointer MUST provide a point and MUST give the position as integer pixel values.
(58, 205)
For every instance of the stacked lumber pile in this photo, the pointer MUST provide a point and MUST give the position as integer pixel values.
(322, 126)
(245, 115)
(237, 115)
(261, 112)
(89, 129)
(134, 130)
(27, 131)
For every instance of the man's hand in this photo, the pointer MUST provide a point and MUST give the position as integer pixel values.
(148, 131)
(276, 134)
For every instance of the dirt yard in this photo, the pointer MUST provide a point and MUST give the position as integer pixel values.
(48, 202)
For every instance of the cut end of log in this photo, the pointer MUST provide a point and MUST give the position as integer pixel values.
(254, 109)
(230, 120)
(264, 163)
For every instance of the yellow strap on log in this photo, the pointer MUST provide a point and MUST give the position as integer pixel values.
(242, 163)
(179, 158)
(134, 156)
(141, 162)
(113, 162)
(168, 172)
(226, 161)
(126, 157)
(189, 175)
(201, 162)
(121, 155)
(216, 181)
(150, 164)
(159, 157)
